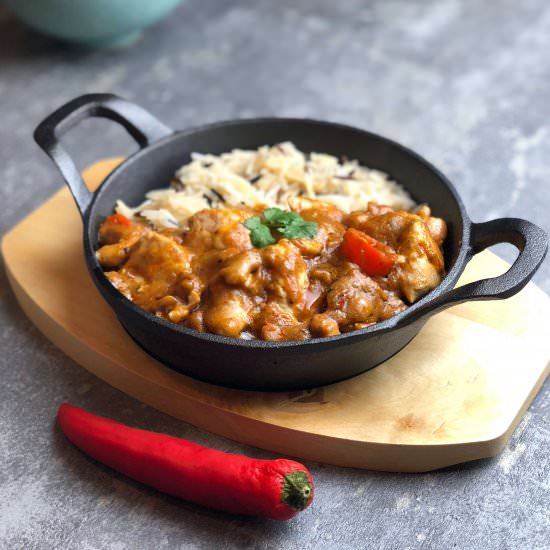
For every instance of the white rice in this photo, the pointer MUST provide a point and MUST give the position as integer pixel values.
(268, 176)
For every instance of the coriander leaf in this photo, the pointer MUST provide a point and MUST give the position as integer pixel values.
(252, 223)
(299, 229)
(288, 224)
(260, 234)
(276, 218)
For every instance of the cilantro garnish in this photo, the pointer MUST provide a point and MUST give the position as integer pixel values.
(287, 224)
(260, 234)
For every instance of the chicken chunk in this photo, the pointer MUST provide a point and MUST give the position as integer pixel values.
(329, 218)
(437, 226)
(323, 325)
(244, 270)
(228, 312)
(314, 210)
(287, 272)
(423, 265)
(215, 228)
(278, 322)
(386, 228)
(357, 298)
(159, 260)
(309, 247)
(118, 240)
(155, 271)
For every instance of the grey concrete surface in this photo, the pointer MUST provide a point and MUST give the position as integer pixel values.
(464, 83)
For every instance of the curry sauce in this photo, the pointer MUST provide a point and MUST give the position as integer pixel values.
(211, 278)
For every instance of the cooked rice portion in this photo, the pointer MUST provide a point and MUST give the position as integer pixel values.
(268, 177)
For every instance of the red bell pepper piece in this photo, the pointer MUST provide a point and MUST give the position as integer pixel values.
(276, 489)
(118, 219)
(369, 254)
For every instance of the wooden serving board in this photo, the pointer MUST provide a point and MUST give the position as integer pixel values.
(456, 393)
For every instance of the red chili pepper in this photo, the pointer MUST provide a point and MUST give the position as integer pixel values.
(276, 489)
(118, 218)
(369, 254)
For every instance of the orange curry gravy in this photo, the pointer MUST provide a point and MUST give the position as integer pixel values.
(209, 277)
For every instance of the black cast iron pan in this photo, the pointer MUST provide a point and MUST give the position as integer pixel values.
(255, 364)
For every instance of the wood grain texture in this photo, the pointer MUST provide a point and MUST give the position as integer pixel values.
(454, 394)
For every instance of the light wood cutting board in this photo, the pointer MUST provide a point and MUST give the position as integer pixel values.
(456, 393)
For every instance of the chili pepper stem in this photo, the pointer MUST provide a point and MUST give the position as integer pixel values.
(296, 490)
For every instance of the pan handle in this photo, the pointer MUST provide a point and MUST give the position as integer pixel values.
(140, 124)
(528, 238)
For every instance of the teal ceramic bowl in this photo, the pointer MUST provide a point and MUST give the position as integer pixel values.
(95, 23)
